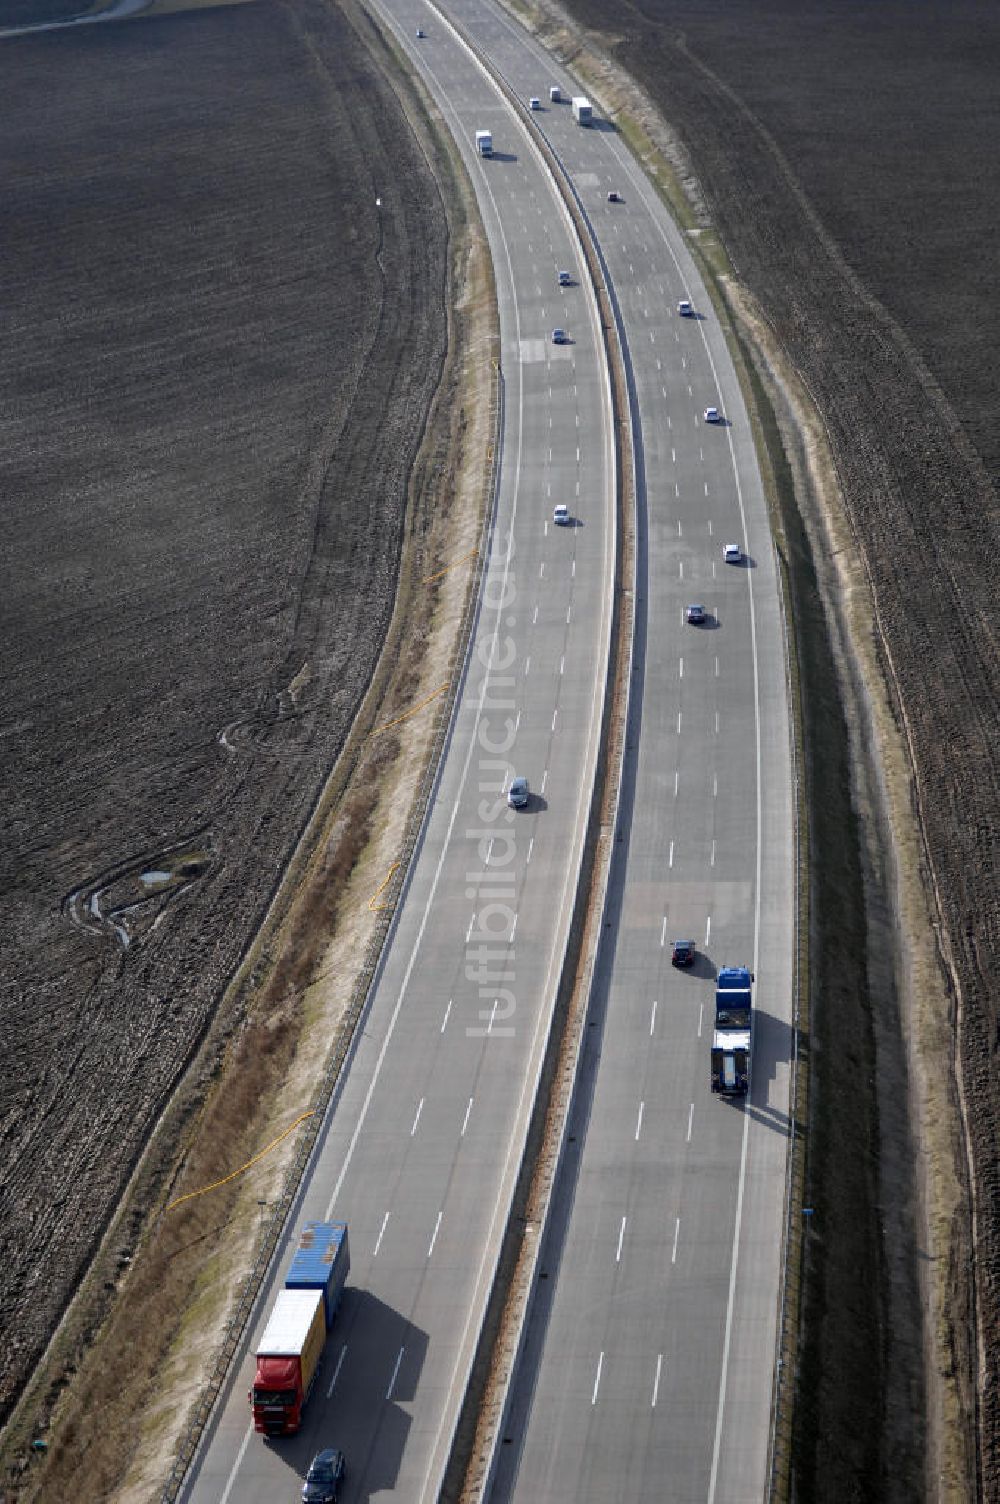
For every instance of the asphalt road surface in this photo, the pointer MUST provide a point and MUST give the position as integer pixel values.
(648, 1365)
(423, 1144)
(647, 1371)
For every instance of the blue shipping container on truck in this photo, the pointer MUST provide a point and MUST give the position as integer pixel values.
(322, 1262)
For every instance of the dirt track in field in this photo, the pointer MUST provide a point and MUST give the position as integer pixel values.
(833, 151)
(218, 361)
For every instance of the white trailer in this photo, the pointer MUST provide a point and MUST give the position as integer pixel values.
(583, 112)
(484, 143)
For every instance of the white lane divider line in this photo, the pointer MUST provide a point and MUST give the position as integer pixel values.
(677, 779)
(545, 777)
(716, 723)
(447, 1011)
(712, 858)
(652, 1017)
(663, 932)
(680, 530)
(336, 1371)
(621, 1239)
(638, 1121)
(531, 847)
(716, 668)
(569, 613)
(381, 1235)
(416, 1120)
(513, 928)
(437, 1225)
(527, 666)
(680, 566)
(395, 1373)
(710, 527)
(572, 572)
(701, 1018)
(715, 785)
(597, 1378)
(554, 715)
(656, 1378)
(534, 616)
(670, 858)
(465, 1120)
(678, 723)
(562, 664)
(708, 929)
(680, 668)
(472, 925)
(673, 461)
(677, 1233)
(690, 1121)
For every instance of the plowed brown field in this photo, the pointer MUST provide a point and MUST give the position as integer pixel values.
(850, 157)
(224, 278)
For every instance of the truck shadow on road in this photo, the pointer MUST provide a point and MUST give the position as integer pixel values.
(371, 1368)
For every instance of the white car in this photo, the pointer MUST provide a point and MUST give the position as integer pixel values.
(732, 553)
(559, 337)
(685, 309)
(712, 415)
(534, 104)
(560, 515)
(565, 280)
(421, 33)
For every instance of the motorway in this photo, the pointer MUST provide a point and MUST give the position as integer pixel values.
(647, 1368)
(423, 1144)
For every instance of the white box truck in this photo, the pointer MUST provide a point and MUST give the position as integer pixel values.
(583, 112)
(484, 143)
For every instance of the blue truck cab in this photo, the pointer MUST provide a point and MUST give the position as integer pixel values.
(732, 1037)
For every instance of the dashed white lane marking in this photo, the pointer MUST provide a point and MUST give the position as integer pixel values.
(562, 664)
(680, 668)
(447, 1011)
(656, 1378)
(715, 785)
(680, 530)
(680, 566)
(434, 1234)
(690, 1121)
(708, 929)
(677, 779)
(663, 934)
(534, 617)
(712, 858)
(706, 488)
(541, 567)
(716, 668)
(381, 1235)
(465, 1120)
(472, 925)
(395, 1373)
(670, 859)
(545, 776)
(336, 1371)
(527, 666)
(513, 928)
(638, 1121)
(701, 1018)
(652, 1017)
(716, 723)
(678, 723)
(416, 1120)
(621, 1238)
(673, 456)
(597, 1378)
(569, 613)
(554, 714)
(677, 1233)
(531, 847)
(710, 527)
(572, 572)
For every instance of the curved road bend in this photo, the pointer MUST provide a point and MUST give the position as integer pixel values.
(649, 1357)
(422, 1145)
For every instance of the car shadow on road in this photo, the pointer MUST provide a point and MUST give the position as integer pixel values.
(377, 1356)
(502, 156)
(745, 561)
(598, 123)
(537, 805)
(772, 1044)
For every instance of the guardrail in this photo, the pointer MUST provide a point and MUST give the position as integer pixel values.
(364, 985)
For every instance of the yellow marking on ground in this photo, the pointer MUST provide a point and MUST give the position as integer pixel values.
(432, 577)
(376, 907)
(401, 718)
(190, 1196)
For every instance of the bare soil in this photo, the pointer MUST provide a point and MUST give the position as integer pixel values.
(850, 166)
(218, 361)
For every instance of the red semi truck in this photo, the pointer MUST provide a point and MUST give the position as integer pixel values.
(292, 1345)
(287, 1360)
